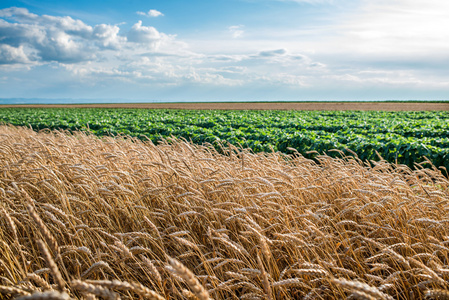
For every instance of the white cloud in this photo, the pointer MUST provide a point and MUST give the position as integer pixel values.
(152, 13)
(27, 37)
(18, 13)
(49, 43)
(62, 47)
(49, 38)
(108, 36)
(13, 55)
(271, 53)
(143, 34)
(236, 31)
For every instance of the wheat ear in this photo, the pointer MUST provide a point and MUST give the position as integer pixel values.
(362, 287)
(51, 265)
(189, 295)
(49, 295)
(10, 290)
(152, 269)
(187, 275)
(93, 289)
(98, 265)
(437, 294)
(49, 238)
(39, 281)
(127, 286)
(11, 223)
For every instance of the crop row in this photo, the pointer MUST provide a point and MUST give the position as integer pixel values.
(403, 137)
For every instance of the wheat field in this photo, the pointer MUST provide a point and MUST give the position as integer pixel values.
(84, 217)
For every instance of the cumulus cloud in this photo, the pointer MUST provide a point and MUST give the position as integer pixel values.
(50, 38)
(50, 43)
(143, 34)
(26, 37)
(152, 13)
(13, 55)
(108, 36)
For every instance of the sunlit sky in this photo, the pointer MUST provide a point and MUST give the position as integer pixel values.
(225, 50)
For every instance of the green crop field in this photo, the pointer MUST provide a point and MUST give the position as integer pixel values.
(402, 137)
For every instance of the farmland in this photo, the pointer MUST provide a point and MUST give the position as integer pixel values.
(400, 137)
(201, 204)
(86, 218)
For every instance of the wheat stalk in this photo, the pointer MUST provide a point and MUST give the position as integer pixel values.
(265, 280)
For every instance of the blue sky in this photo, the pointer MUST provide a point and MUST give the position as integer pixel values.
(236, 50)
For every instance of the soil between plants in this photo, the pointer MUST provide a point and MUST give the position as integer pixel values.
(376, 106)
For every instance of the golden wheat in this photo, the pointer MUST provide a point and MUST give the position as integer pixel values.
(122, 218)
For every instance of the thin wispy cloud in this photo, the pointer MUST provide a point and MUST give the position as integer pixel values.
(152, 13)
(236, 31)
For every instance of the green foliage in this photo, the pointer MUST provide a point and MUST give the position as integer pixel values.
(403, 137)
